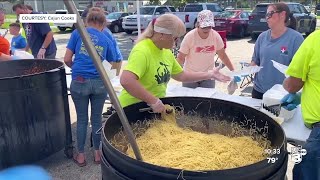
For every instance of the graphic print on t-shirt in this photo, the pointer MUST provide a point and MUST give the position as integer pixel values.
(95, 41)
(205, 49)
(284, 50)
(163, 74)
(28, 31)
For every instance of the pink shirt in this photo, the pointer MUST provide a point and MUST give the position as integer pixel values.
(200, 52)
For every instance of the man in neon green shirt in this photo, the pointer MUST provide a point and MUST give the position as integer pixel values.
(304, 72)
(151, 64)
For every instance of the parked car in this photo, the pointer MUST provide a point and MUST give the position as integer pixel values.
(64, 26)
(147, 14)
(190, 12)
(114, 21)
(229, 8)
(302, 21)
(234, 22)
(308, 8)
(317, 9)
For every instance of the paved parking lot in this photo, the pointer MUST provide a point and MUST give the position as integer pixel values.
(239, 50)
(124, 42)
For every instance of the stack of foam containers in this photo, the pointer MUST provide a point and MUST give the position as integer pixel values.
(272, 97)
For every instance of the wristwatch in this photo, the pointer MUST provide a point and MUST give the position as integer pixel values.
(43, 47)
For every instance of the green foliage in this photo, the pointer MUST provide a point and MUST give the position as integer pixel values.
(11, 16)
(5, 25)
(14, 1)
(154, 2)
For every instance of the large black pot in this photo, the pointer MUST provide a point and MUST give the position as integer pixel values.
(34, 111)
(117, 166)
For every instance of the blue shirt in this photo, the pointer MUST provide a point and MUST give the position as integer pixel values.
(18, 42)
(280, 50)
(109, 34)
(83, 65)
(36, 34)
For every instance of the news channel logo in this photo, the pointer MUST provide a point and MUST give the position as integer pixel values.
(297, 152)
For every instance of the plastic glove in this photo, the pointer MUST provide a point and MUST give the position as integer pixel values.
(41, 53)
(158, 107)
(232, 87)
(216, 75)
(25, 172)
(294, 99)
(236, 79)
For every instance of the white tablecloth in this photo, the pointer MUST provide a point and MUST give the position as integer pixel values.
(178, 90)
(294, 128)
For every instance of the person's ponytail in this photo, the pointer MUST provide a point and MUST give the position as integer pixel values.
(147, 33)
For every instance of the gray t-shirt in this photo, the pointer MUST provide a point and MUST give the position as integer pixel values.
(281, 50)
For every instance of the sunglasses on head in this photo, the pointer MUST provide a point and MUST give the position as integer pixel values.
(270, 14)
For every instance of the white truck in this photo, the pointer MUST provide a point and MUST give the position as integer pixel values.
(64, 26)
(147, 14)
(190, 12)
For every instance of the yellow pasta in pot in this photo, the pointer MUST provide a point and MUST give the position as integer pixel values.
(166, 144)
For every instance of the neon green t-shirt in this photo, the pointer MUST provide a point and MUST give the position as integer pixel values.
(153, 67)
(306, 65)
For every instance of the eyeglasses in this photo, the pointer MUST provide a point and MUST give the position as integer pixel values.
(270, 14)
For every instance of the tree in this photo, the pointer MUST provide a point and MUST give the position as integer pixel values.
(14, 1)
(175, 3)
(154, 2)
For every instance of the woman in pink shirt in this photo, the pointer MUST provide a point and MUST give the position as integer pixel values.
(199, 47)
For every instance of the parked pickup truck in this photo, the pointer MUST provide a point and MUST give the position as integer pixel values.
(190, 12)
(147, 14)
(64, 26)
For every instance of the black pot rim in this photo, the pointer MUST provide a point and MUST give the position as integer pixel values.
(38, 73)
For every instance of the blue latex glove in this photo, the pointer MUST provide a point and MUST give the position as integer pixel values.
(294, 99)
(236, 79)
(24, 172)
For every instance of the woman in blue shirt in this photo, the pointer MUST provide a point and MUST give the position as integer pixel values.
(86, 84)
